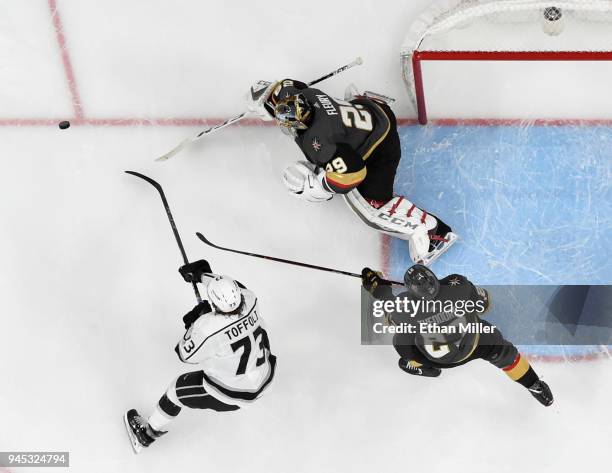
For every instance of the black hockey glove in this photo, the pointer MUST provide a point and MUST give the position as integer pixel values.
(417, 369)
(194, 314)
(371, 279)
(192, 272)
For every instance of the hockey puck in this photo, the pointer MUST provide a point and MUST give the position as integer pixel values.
(63, 125)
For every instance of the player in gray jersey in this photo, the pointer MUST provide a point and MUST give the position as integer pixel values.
(226, 338)
(445, 334)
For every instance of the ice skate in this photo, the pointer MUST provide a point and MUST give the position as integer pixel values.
(541, 392)
(138, 429)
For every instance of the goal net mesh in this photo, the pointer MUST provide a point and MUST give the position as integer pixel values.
(508, 25)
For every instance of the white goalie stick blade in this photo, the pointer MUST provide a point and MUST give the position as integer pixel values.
(440, 249)
(136, 446)
(176, 150)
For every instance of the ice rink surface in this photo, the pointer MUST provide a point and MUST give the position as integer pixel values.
(90, 293)
(532, 204)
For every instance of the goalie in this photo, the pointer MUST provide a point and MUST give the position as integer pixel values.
(352, 148)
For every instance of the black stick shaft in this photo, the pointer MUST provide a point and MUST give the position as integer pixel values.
(356, 62)
(281, 260)
(177, 236)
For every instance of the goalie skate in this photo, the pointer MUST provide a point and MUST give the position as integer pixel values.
(439, 247)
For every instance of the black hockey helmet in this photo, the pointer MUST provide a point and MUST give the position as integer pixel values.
(293, 112)
(421, 282)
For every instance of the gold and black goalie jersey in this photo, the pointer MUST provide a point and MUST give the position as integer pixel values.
(342, 136)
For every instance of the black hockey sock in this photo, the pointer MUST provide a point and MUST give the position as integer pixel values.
(168, 407)
(528, 379)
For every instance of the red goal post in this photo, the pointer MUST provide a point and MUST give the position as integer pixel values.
(504, 30)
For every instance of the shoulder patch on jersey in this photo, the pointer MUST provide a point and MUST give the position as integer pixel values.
(454, 280)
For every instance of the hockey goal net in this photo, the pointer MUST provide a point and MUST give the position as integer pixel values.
(515, 59)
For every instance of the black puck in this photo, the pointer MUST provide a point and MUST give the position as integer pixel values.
(63, 125)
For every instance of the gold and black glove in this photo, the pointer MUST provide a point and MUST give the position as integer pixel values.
(371, 279)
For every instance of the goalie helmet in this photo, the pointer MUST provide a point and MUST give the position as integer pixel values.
(421, 282)
(293, 112)
(224, 294)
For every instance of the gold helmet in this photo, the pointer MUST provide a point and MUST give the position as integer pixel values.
(293, 112)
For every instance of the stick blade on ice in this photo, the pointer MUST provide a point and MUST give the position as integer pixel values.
(174, 151)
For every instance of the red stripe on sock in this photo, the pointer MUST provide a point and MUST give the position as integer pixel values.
(514, 363)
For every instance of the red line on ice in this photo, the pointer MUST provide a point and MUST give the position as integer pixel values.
(127, 122)
(194, 121)
(68, 70)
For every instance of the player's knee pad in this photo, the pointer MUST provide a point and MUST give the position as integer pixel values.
(189, 391)
(171, 393)
(169, 407)
(188, 386)
(208, 402)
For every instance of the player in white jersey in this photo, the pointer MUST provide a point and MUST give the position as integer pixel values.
(226, 338)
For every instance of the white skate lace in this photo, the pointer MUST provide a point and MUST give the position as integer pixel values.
(140, 422)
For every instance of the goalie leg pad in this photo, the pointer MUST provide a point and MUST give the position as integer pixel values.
(400, 207)
(402, 219)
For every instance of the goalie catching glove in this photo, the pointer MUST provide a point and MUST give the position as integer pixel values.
(302, 182)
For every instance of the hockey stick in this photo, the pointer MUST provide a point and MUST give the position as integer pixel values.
(172, 224)
(178, 148)
(286, 261)
(356, 62)
(188, 141)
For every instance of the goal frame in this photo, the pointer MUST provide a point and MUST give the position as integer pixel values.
(419, 56)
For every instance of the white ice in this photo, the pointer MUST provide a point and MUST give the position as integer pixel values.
(91, 299)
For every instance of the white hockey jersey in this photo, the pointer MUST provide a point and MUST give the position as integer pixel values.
(232, 350)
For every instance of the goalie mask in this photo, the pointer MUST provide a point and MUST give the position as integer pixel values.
(293, 112)
(224, 294)
(421, 282)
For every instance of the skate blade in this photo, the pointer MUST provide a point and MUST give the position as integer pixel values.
(434, 255)
(133, 440)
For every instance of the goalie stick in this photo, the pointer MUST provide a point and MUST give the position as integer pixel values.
(178, 148)
(172, 224)
(286, 261)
